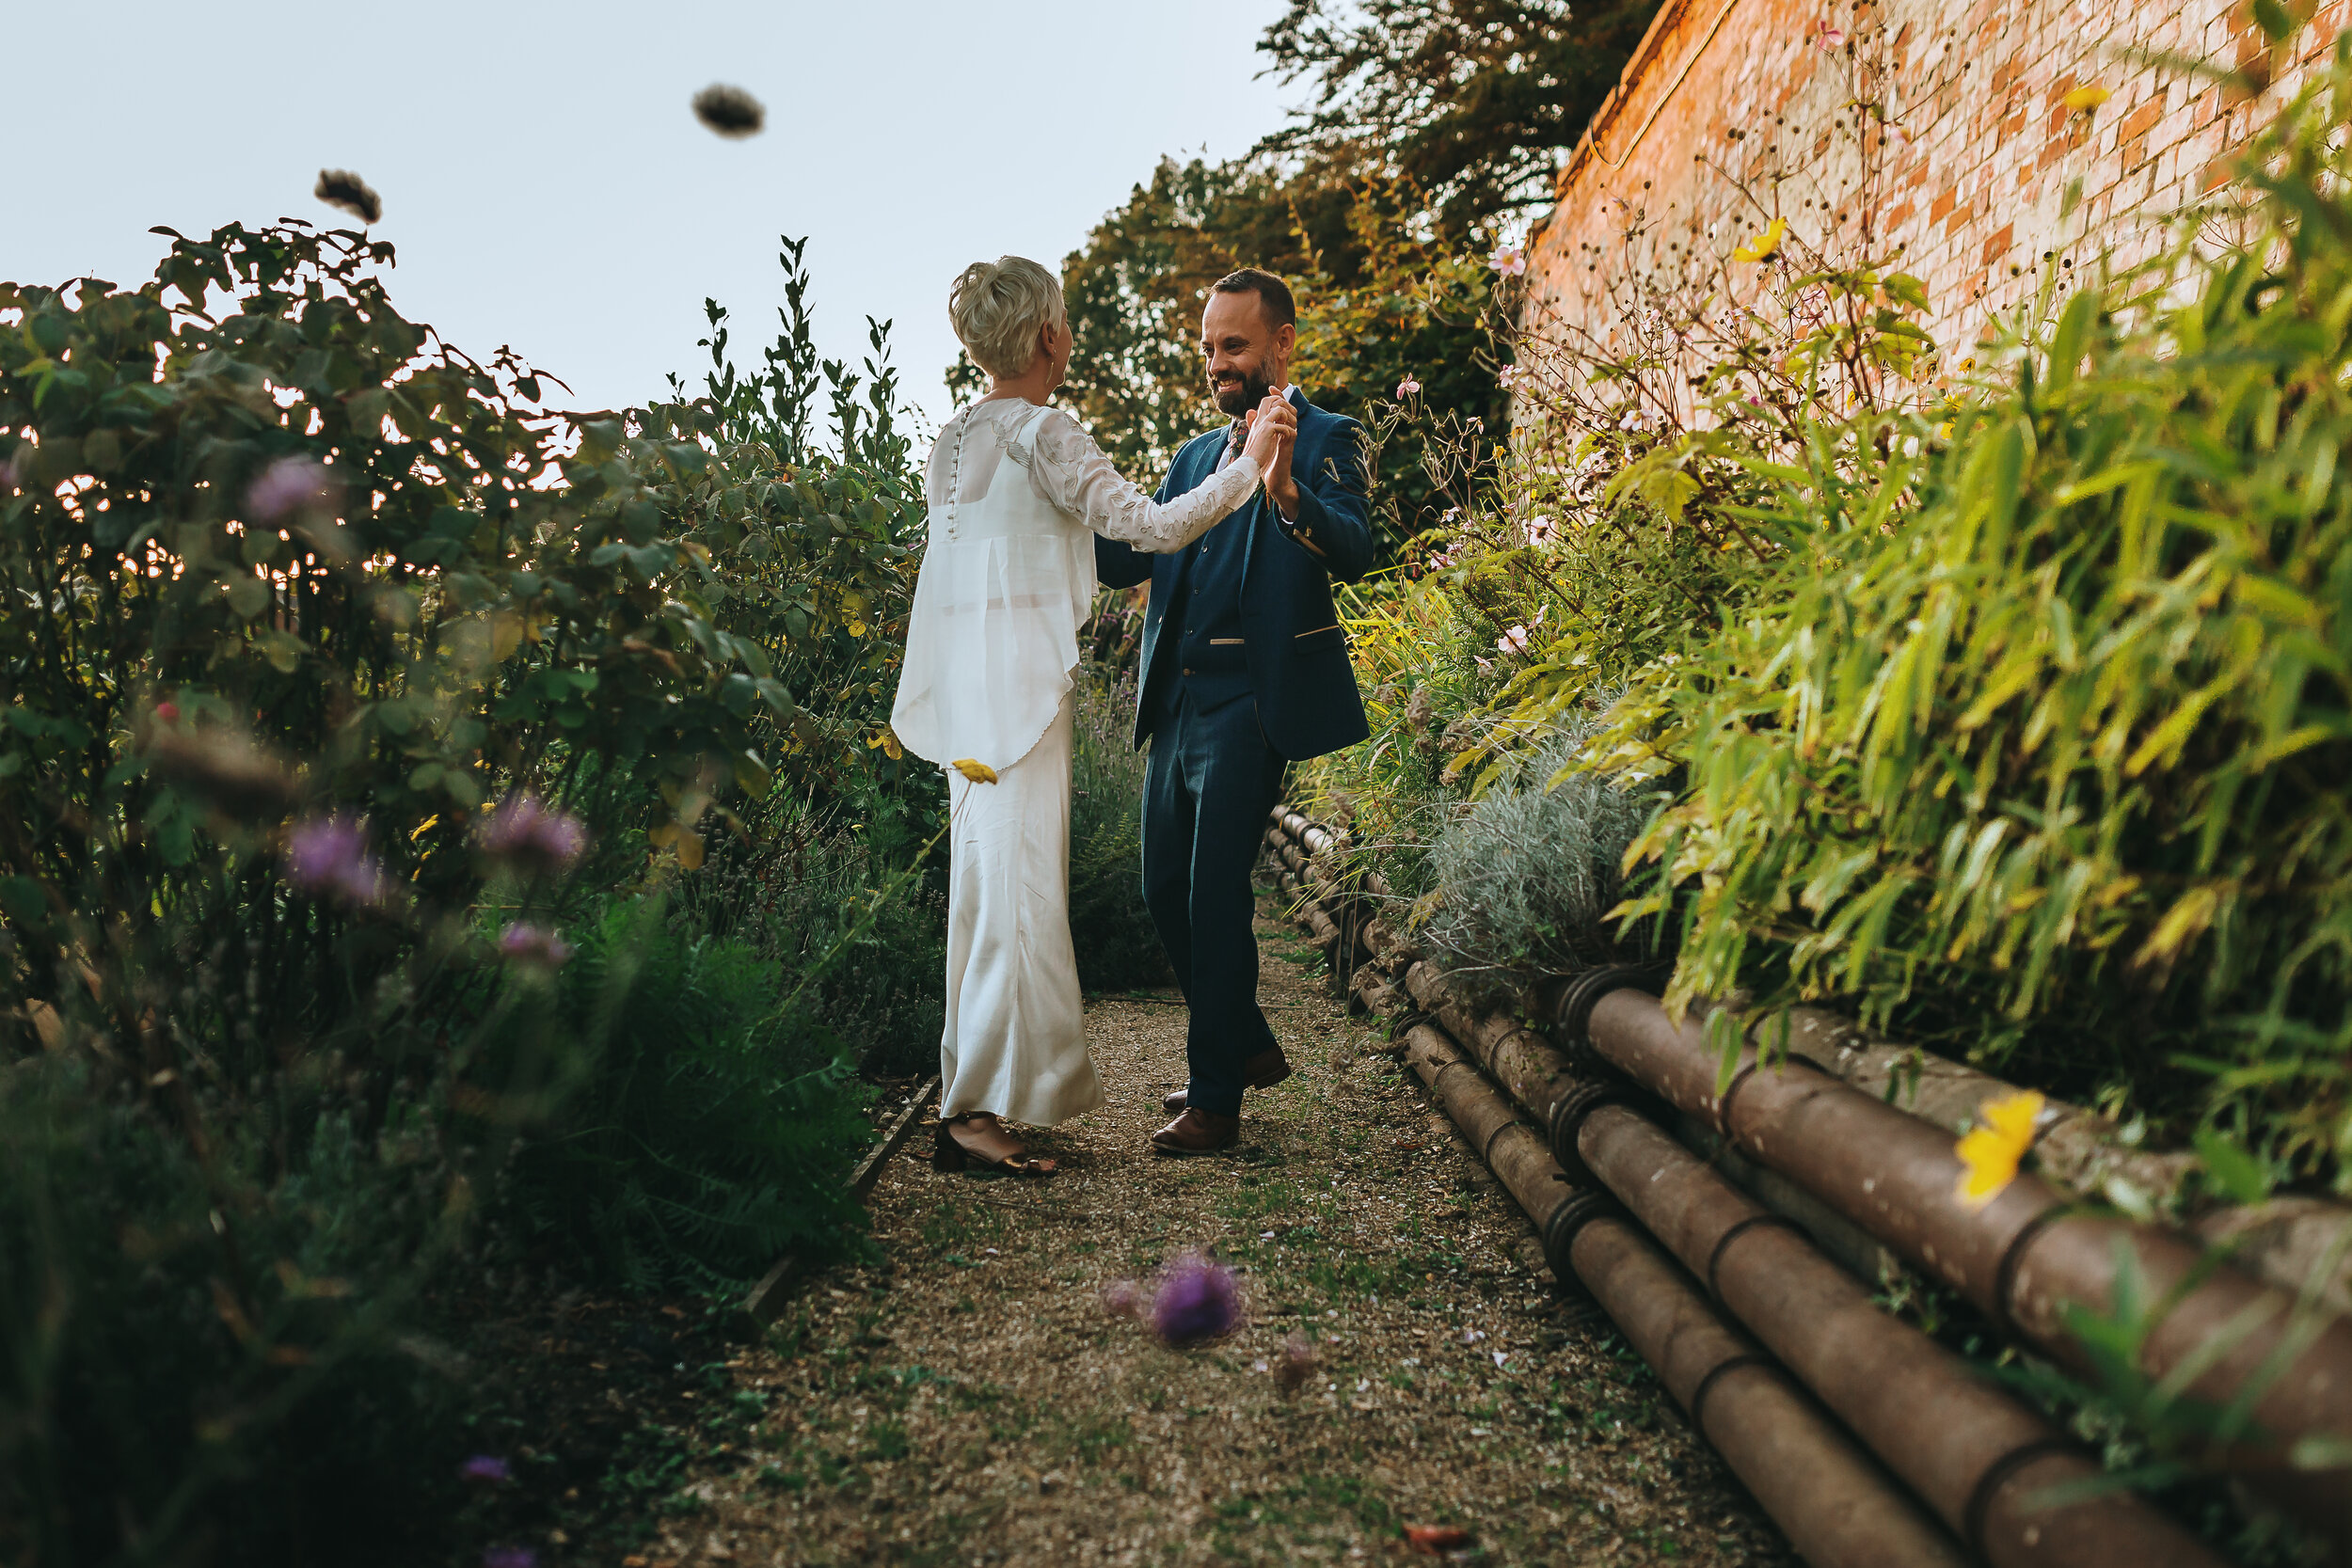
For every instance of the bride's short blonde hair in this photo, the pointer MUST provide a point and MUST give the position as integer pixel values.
(997, 307)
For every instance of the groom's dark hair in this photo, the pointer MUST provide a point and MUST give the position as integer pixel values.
(1274, 295)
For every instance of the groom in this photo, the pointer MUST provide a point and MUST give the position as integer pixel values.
(1245, 668)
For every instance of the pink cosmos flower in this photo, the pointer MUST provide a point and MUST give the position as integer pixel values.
(1513, 641)
(290, 485)
(1507, 378)
(1542, 531)
(1828, 34)
(1509, 260)
(1406, 388)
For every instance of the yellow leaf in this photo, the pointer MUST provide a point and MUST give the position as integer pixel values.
(2083, 100)
(690, 851)
(890, 744)
(2183, 924)
(978, 772)
(1764, 245)
(1992, 1149)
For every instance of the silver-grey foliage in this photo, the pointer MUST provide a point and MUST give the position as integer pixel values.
(1527, 873)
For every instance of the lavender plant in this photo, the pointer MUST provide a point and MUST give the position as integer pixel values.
(1530, 874)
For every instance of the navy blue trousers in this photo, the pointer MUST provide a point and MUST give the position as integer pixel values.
(1211, 782)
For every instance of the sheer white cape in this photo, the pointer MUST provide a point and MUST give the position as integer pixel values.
(1008, 578)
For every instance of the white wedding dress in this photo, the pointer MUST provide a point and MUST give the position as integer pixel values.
(1016, 493)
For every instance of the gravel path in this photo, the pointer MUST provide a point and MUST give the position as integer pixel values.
(972, 1401)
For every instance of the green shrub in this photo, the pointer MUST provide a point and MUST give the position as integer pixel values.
(819, 905)
(199, 1345)
(713, 1125)
(1118, 946)
(2044, 747)
(316, 590)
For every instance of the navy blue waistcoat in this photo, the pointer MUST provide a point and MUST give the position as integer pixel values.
(1294, 652)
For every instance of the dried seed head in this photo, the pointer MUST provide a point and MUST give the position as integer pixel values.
(340, 187)
(1296, 1363)
(1431, 1540)
(234, 773)
(730, 111)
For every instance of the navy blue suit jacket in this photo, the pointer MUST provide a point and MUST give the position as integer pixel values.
(1296, 653)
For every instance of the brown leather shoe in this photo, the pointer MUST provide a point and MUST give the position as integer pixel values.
(1197, 1132)
(1263, 1071)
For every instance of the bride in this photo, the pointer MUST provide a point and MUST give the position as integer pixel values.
(1016, 490)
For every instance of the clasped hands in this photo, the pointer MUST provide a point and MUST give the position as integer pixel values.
(1273, 427)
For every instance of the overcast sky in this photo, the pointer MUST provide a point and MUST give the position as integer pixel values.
(547, 186)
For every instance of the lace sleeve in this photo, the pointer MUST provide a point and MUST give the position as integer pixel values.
(1073, 475)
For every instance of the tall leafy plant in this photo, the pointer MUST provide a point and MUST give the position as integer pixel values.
(2050, 735)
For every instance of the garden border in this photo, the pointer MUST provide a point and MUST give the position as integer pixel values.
(1975, 1472)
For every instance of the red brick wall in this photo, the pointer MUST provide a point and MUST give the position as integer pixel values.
(1972, 179)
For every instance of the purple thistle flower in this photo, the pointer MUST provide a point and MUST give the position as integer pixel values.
(1198, 1301)
(330, 855)
(533, 945)
(532, 836)
(287, 485)
(1296, 1363)
(510, 1556)
(484, 1469)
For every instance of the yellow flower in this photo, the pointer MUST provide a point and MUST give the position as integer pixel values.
(2083, 100)
(1763, 245)
(1992, 1148)
(978, 771)
(889, 742)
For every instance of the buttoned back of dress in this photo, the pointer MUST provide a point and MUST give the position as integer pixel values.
(1016, 494)
(1007, 579)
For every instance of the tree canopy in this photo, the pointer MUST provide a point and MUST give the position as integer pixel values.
(1473, 101)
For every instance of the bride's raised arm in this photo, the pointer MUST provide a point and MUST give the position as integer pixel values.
(1075, 477)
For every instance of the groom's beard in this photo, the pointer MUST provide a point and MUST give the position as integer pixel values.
(1237, 399)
